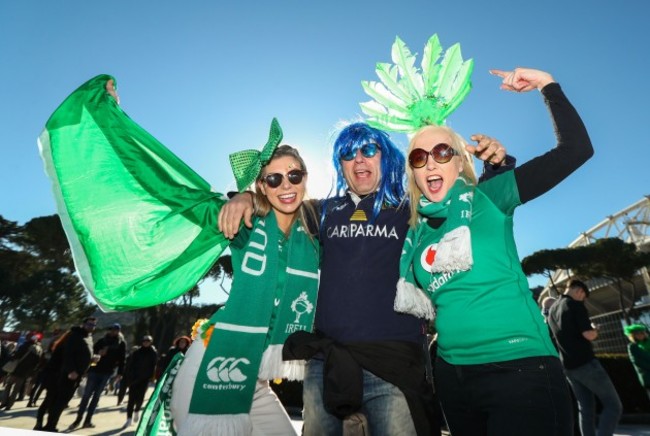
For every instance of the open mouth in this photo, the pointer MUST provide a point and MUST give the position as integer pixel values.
(434, 183)
(287, 198)
(362, 174)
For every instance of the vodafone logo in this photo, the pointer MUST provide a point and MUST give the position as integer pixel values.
(428, 257)
(225, 369)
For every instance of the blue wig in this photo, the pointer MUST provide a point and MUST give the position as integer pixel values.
(391, 190)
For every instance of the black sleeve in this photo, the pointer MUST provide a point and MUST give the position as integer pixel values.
(490, 170)
(98, 346)
(121, 358)
(573, 148)
(583, 323)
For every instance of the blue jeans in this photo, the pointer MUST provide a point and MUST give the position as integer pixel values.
(526, 396)
(591, 380)
(95, 384)
(384, 406)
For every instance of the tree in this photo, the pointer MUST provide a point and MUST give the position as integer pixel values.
(222, 268)
(37, 276)
(15, 266)
(45, 238)
(546, 262)
(616, 260)
(609, 258)
(168, 320)
(51, 297)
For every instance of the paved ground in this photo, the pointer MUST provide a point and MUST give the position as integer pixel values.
(110, 418)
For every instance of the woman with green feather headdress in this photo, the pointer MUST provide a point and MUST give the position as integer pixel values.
(142, 227)
(497, 372)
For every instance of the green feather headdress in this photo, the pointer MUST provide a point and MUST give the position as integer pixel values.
(408, 98)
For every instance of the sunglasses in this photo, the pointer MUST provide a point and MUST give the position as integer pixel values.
(441, 153)
(367, 150)
(273, 180)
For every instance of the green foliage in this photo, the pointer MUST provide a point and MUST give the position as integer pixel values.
(610, 258)
(165, 322)
(39, 288)
(223, 266)
(607, 257)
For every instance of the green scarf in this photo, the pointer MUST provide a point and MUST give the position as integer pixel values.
(249, 331)
(644, 345)
(453, 252)
(157, 416)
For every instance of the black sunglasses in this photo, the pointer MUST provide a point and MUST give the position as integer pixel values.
(367, 150)
(274, 180)
(441, 153)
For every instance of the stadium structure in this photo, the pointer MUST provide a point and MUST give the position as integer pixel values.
(632, 225)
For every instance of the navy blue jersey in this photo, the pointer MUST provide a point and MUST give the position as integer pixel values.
(359, 273)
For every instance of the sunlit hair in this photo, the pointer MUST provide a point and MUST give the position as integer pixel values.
(458, 144)
(391, 185)
(306, 213)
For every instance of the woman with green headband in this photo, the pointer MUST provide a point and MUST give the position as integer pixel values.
(142, 227)
(497, 371)
(222, 385)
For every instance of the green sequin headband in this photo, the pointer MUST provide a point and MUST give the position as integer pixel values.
(247, 164)
(408, 98)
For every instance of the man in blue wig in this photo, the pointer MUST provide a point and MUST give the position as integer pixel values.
(367, 362)
(371, 357)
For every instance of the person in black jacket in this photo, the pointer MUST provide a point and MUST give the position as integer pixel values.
(70, 360)
(28, 355)
(573, 331)
(180, 345)
(138, 374)
(50, 376)
(112, 351)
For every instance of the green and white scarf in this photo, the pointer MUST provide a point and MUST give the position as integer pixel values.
(156, 416)
(249, 331)
(453, 253)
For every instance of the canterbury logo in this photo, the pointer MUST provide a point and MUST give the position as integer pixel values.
(224, 369)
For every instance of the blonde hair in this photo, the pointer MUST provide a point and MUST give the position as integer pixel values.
(306, 213)
(458, 144)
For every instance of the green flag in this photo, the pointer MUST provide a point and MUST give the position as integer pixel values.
(142, 225)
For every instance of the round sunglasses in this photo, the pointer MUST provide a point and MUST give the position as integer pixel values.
(441, 153)
(367, 150)
(273, 180)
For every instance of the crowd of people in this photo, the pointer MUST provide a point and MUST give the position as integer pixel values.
(69, 363)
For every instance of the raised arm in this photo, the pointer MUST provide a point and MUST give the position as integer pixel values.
(573, 148)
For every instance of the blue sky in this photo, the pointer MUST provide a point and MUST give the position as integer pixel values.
(206, 77)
